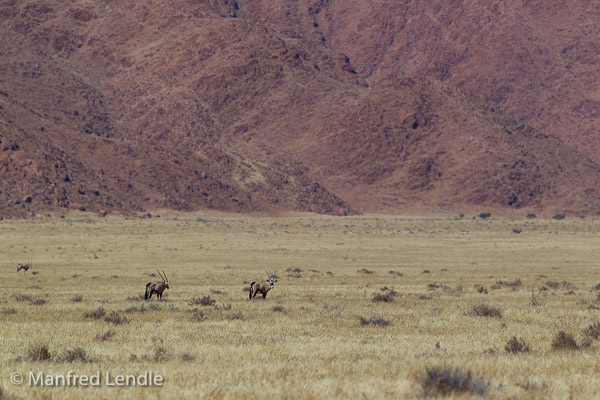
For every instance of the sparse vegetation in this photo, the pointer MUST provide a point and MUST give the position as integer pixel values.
(377, 321)
(385, 297)
(21, 297)
(564, 341)
(115, 319)
(203, 301)
(277, 308)
(593, 331)
(512, 284)
(484, 310)
(515, 345)
(96, 314)
(188, 357)
(320, 312)
(441, 381)
(38, 352)
(75, 355)
(160, 351)
(103, 337)
(485, 215)
(559, 216)
(198, 315)
(366, 271)
(134, 309)
(76, 299)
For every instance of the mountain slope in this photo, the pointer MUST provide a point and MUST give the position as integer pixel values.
(535, 61)
(136, 106)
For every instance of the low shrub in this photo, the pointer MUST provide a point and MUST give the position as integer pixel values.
(484, 310)
(374, 321)
(105, 336)
(96, 314)
(564, 341)
(115, 318)
(593, 331)
(443, 381)
(39, 352)
(366, 271)
(385, 297)
(21, 297)
(515, 345)
(75, 355)
(204, 301)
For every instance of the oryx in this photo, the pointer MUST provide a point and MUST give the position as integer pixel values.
(262, 287)
(25, 267)
(157, 288)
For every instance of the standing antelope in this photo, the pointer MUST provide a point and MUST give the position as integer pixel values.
(24, 267)
(157, 288)
(262, 287)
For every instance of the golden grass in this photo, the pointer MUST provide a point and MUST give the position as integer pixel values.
(306, 341)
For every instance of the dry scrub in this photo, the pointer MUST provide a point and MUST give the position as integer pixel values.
(398, 300)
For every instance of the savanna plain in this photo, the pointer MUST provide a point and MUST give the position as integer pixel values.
(364, 307)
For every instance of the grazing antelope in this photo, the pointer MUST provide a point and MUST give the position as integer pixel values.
(25, 267)
(157, 288)
(262, 287)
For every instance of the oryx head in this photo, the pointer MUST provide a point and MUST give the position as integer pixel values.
(164, 278)
(271, 278)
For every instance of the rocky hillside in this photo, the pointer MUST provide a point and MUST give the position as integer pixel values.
(535, 61)
(129, 106)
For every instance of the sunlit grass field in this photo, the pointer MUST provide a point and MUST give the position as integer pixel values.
(319, 334)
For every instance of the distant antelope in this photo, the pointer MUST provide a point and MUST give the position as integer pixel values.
(262, 287)
(25, 267)
(157, 288)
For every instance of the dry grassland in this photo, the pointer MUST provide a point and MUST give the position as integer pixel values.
(319, 334)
